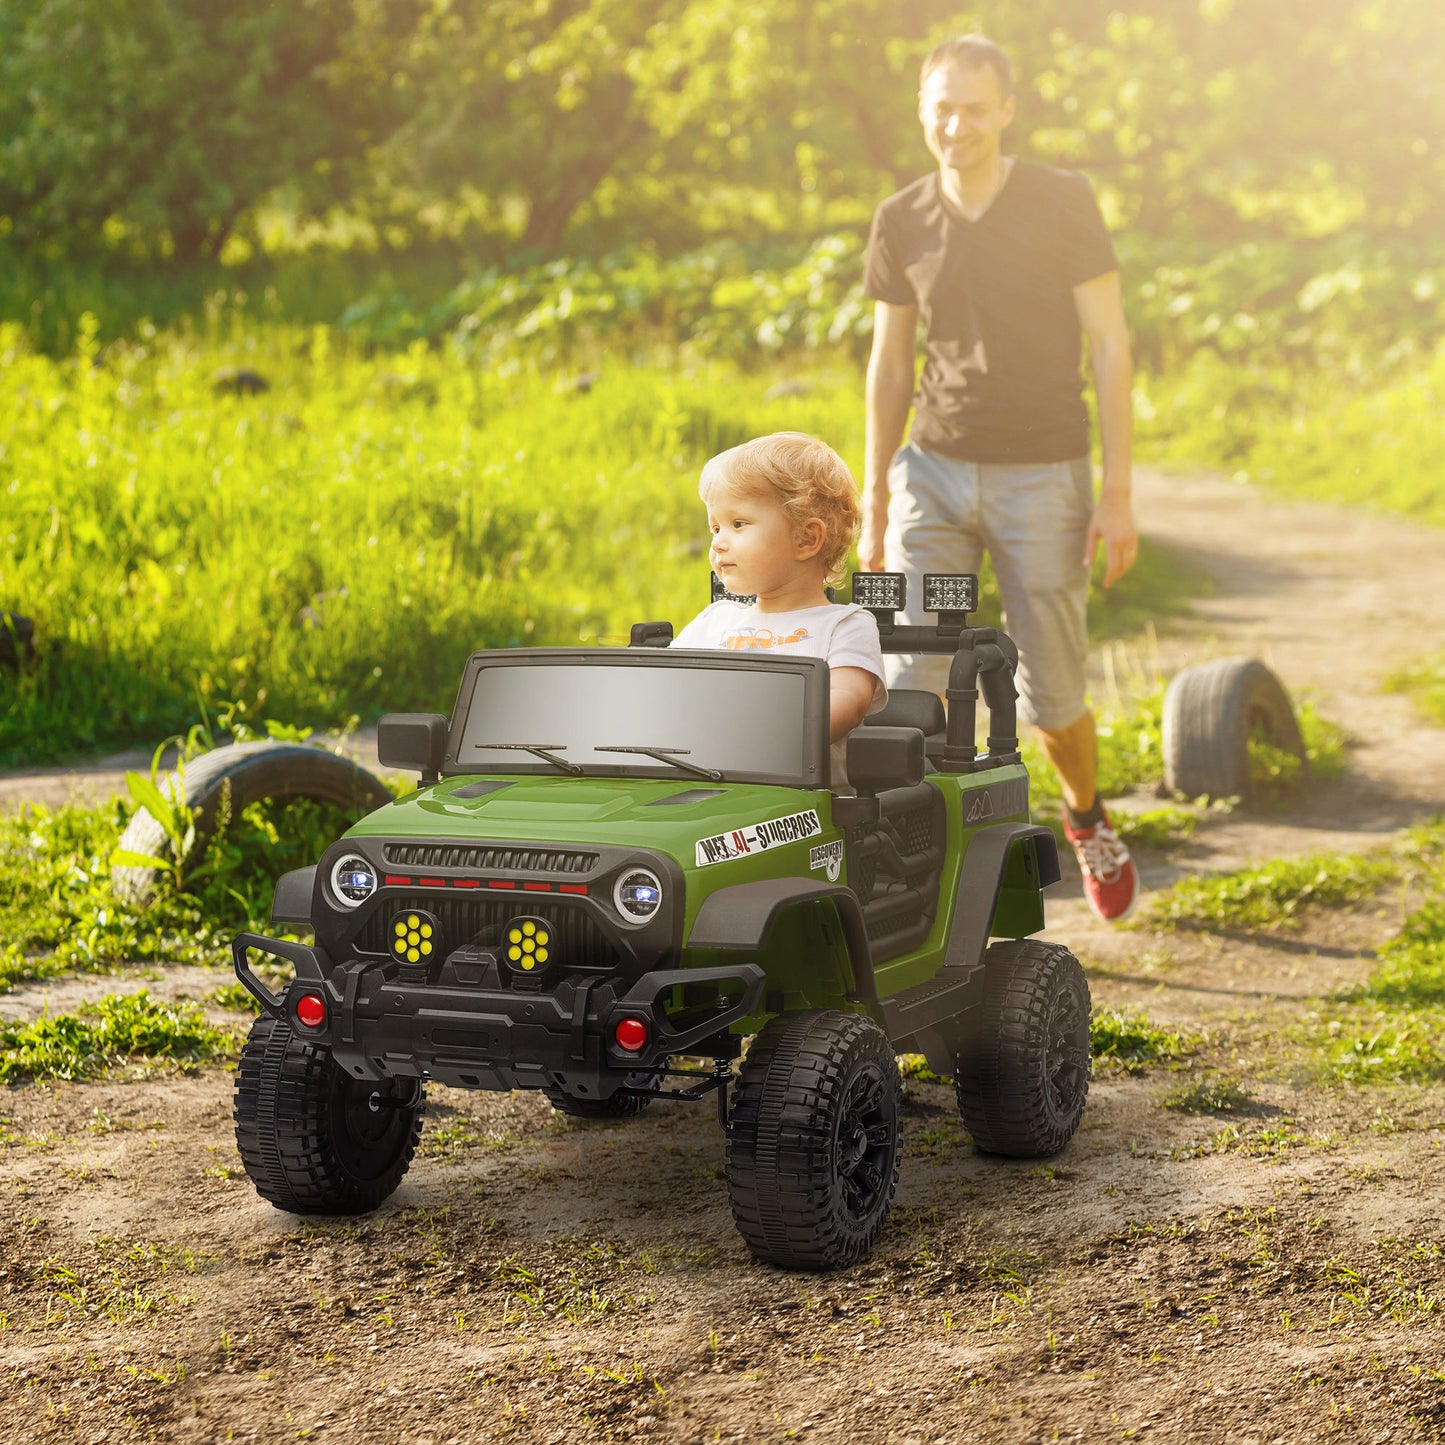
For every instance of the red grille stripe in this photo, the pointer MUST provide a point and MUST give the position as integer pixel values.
(495, 884)
(432, 882)
(466, 882)
(574, 887)
(394, 878)
(537, 887)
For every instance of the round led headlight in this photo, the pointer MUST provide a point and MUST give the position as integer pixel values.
(638, 895)
(353, 880)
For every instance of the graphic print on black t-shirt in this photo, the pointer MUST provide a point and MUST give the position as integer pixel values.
(1001, 375)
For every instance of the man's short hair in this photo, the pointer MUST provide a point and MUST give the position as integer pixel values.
(970, 51)
(808, 478)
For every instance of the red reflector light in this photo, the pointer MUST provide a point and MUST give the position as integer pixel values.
(311, 1010)
(631, 1035)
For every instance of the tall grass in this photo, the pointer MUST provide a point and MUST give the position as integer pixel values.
(338, 543)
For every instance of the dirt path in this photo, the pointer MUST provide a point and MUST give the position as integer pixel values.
(1271, 1274)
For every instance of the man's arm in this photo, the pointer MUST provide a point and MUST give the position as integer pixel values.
(887, 396)
(1100, 306)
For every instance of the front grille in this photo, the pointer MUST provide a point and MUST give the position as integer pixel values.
(578, 941)
(488, 860)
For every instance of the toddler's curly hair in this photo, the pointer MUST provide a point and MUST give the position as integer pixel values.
(808, 478)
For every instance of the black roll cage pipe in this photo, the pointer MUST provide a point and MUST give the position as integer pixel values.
(981, 656)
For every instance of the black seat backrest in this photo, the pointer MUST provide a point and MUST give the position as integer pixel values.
(909, 707)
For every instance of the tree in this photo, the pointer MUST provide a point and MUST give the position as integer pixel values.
(169, 119)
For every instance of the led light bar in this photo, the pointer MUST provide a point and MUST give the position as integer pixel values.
(950, 592)
(880, 591)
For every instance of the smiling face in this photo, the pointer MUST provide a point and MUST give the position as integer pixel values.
(964, 113)
(755, 548)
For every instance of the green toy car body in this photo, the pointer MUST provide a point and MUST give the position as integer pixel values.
(671, 877)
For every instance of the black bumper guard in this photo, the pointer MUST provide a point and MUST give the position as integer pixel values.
(664, 1039)
(310, 969)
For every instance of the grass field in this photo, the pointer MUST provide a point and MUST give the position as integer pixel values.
(337, 544)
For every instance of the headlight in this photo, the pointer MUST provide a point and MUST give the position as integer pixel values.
(353, 881)
(638, 895)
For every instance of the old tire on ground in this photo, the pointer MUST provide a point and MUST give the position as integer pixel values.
(227, 779)
(313, 1139)
(1021, 1073)
(813, 1151)
(1210, 714)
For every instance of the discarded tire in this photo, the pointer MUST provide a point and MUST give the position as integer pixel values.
(247, 772)
(1211, 712)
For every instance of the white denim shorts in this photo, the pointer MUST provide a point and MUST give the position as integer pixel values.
(1031, 518)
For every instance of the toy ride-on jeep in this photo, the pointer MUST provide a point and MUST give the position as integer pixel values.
(622, 862)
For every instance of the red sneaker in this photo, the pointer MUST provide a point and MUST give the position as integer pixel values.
(1111, 881)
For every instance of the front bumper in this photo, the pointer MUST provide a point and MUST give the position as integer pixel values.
(379, 1027)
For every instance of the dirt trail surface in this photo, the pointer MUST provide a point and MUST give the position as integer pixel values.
(1273, 1274)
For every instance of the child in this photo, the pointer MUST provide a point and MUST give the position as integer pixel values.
(783, 510)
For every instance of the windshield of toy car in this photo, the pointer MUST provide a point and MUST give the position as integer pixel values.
(745, 722)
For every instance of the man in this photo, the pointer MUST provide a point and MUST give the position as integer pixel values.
(1008, 264)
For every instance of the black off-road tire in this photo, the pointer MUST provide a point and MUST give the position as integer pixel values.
(813, 1149)
(1021, 1073)
(230, 778)
(311, 1137)
(1210, 714)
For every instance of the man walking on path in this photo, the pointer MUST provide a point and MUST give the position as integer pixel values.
(1009, 265)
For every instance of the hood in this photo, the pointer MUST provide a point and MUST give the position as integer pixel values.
(660, 813)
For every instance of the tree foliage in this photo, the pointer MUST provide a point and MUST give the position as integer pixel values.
(162, 122)
(566, 126)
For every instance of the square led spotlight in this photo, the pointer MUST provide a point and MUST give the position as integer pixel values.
(880, 591)
(950, 592)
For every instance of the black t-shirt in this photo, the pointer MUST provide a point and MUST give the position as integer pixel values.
(1001, 375)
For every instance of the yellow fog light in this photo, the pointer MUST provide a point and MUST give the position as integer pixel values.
(414, 936)
(527, 943)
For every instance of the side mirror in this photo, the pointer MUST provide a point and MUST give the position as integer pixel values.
(413, 740)
(881, 758)
(650, 634)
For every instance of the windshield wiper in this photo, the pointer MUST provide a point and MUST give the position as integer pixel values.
(668, 755)
(542, 750)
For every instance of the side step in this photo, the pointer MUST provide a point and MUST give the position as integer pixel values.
(951, 990)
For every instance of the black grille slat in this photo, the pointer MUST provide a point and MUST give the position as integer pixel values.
(578, 940)
(488, 860)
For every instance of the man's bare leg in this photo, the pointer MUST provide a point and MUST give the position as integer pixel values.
(1073, 751)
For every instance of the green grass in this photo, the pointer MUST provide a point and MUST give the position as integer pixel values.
(1424, 683)
(338, 544)
(1270, 895)
(59, 913)
(1317, 432)
(1392, 1026)
(102, 1036)
(1213, 1094)
(1127, 1040)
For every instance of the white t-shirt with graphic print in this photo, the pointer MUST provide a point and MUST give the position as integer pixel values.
(847, 636)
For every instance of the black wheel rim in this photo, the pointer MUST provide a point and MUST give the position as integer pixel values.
(1067, 1056)
(866, 1140)
(369, 1125)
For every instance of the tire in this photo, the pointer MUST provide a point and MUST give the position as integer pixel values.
(813, 1147)
(1021, 1075)
(248, 772)
(310, 1136)
(1210, 714)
